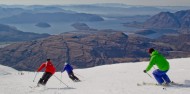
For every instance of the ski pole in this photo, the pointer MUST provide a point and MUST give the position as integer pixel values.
(35, 76)
(60, 81)
(149, 75)
(61, 77)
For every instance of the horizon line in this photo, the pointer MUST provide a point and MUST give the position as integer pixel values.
(93, 4)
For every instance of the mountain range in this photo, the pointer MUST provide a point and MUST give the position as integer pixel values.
(85, 49)
(179, 20)
(50, 17)
(115, 11)
(106, 9)
(88, 49)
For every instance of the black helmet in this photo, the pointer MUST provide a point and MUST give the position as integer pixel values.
(150, 50)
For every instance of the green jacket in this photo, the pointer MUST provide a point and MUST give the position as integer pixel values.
(159, 60)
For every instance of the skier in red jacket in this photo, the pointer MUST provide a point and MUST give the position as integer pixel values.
(49, 71)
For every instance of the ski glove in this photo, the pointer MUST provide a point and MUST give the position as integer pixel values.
(144, 71)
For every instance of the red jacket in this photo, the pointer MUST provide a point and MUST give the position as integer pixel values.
(49, 67)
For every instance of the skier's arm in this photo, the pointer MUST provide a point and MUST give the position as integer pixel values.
(63, 69)
(41, 67)
(152, 62)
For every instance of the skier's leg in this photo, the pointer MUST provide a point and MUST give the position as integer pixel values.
(158, 76)
(71, 76)
(75, 78)
(42, 79)
(166, 78)
(47, 78)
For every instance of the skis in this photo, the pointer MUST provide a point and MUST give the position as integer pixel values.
(172, 84)
(32, 86)
(37, 89)
(76, 80)
(148, 84)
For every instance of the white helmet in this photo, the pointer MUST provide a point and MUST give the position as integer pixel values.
(66, 63)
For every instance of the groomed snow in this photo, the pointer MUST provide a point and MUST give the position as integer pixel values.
(107, 79)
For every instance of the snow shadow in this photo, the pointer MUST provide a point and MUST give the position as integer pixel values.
(186, 84)
(65, 88)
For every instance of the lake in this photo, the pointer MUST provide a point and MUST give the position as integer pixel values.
(57, 28)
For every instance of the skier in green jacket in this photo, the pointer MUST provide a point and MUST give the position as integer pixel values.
(162, 64)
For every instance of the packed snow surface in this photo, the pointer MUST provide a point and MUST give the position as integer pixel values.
(107, 79)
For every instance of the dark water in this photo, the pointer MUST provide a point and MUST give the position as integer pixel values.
(57, 28)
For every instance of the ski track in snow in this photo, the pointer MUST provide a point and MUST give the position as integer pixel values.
(107, 79)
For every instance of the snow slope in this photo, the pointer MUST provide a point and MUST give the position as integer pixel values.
(4, 70)
(108, 79)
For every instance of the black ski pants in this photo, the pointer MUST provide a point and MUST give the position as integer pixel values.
(72, 76)
(45, 78)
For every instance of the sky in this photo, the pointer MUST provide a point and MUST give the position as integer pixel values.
(128, 2)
